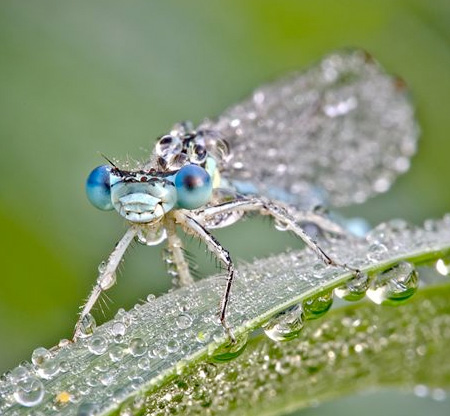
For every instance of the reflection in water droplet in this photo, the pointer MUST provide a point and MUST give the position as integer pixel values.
(286, 325)
(316, 307)
(29, 391)
(354, 289)
(394, 285)
(230, 350)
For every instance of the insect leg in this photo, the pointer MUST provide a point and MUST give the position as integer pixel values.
(192, 226)
(281, 214)
(106, 278)
(176, 259)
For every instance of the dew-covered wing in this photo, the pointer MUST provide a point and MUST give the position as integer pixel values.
(343, 126)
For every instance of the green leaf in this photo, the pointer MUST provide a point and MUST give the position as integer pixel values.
(173, 349)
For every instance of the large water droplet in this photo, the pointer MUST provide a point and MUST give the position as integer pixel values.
(230, 350)
(29, 391)
(316, 307)
(286, 325)
(394, 285)
(354, 289)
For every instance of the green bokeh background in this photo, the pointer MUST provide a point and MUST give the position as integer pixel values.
(79, 77)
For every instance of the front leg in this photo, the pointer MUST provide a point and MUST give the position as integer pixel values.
(106, 278)
(192, 226)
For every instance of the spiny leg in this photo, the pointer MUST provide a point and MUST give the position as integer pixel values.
(280, 213)
(106, 278)
(192, 226)
(175, 256)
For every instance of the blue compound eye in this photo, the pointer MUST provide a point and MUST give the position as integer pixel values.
(194, 187)
(98, 188)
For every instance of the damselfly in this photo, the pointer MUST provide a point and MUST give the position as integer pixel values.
(335, 134)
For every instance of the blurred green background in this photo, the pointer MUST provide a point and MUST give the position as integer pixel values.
(79, 77)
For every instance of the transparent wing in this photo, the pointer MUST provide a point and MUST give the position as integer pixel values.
(343, 126)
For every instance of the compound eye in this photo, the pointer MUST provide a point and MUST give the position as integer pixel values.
(194, 187)
(98, 188)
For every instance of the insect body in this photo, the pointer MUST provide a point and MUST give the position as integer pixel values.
(336, 133)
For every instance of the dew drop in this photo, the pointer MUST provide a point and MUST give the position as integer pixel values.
(394, 285)
(106, 281)
(118, 328)
(286, 325)
(48, 368)
(97, 345)
(117, 352)
(354, 289)
(230, 350)
(87, 326)
(29, 391)
(184, 321)
(137, 347)
(316, 307)
(39, 355)
(376, 252)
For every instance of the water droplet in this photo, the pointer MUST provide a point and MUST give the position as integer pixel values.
(151, 297)
(316, 307)
(184, 321)
(29, 391)
(48, 368)
(394, 285)
(172, 345)
(106, 281)
(151, 236)
(17, 374)
(376, 252)
(87, 409)
(118, 328)
(354, 289)
(137, 347)
(97, 345)
(286, 325)
(39, 355)
(87, 326)
(168, 145)
(230, 350)
(117, 352)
